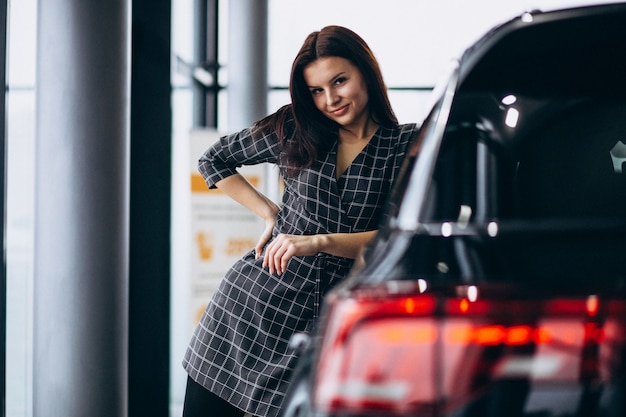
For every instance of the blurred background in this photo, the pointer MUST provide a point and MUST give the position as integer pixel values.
(414, 40)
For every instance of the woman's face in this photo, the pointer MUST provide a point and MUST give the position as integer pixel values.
(338, 90)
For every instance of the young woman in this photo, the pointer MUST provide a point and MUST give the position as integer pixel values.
(339, 148)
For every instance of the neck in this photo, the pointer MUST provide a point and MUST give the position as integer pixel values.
(358, 133)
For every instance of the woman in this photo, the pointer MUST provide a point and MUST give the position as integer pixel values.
(339, 148)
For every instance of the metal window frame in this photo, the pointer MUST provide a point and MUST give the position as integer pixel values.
(205, 97)
(3, 281)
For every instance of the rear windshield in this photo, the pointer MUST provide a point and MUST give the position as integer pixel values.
(510, 157)
(534, 191)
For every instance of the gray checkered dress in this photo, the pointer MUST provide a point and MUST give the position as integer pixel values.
(239, 350)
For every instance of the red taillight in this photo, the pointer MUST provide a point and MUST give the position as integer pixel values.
(364, 335)
(413, 355)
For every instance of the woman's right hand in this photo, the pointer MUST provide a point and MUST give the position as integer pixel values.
(239, 189)
(265, 237)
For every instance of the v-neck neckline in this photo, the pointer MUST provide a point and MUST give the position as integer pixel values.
(335, 152)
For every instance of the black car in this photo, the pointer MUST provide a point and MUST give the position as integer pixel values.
(496, 285)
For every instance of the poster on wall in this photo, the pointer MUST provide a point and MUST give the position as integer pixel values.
(221, 229)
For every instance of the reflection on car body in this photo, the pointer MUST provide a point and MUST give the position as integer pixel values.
(497, 284)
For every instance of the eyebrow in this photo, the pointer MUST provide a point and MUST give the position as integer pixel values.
(332, 79)
(342, 73)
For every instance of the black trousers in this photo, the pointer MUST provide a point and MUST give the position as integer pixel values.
(202, 403)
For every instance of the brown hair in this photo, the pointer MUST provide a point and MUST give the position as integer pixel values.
(314, 133)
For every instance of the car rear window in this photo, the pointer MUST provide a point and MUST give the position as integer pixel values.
(555, 159)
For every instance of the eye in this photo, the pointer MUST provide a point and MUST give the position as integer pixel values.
(315, 91)
(340, 80)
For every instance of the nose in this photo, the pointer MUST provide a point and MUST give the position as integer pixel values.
(331, 97)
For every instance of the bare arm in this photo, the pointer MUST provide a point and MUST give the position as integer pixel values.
(239, 189)
(281, 249)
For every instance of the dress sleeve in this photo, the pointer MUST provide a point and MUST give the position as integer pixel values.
(247, 147)
(408, 133)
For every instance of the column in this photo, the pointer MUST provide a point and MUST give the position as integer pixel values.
(82, 209)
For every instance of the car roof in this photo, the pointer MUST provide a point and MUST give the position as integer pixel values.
(579, 50)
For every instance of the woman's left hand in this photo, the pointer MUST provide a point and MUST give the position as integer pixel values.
(279, 251)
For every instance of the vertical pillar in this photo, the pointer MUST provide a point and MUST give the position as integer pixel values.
(3, 280)
(150, 212)
(247, 71)
(82, 209)
(247, 62)
(206, 54)
(200, 36)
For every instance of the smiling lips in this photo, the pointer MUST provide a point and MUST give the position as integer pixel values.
(340, 111)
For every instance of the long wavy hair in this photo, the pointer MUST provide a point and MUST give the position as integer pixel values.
(314, 133)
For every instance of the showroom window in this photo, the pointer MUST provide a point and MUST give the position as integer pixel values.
(20, 99)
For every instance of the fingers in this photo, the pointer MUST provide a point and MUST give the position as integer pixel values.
(258, 249)
(274, 252)
(265, 237)
(278, 253)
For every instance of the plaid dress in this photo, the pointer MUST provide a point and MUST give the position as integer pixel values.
(239, 350)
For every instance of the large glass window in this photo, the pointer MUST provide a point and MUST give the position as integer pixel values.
(20, 193)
